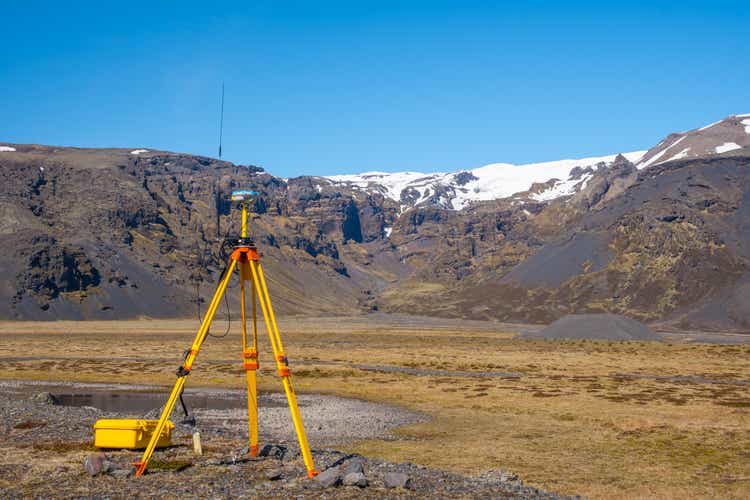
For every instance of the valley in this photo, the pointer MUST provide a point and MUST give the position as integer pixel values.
(599, 419)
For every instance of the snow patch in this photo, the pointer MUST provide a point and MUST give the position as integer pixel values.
(681, 154)
(138, 151)
(560, 189)
(7, 148)
(653, 159)
(727, 146)
(746, 123)
(388, 231)
(390, 185)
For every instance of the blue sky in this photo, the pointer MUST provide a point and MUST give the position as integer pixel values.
(317, 88)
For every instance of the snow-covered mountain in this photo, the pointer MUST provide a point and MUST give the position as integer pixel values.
(456, 190)
(732, 134)
(554, 179)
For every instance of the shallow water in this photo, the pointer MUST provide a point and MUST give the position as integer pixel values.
(144, 401)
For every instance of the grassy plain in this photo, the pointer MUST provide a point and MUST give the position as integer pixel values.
(600, 419)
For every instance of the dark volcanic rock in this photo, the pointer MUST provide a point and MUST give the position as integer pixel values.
(596, 327)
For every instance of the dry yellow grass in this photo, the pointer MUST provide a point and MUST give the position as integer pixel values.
(583, 418)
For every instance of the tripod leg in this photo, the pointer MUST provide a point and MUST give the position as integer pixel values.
(282, 364)
(184, 370)
(250, 361)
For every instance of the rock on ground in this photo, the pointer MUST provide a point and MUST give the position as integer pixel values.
(355, 479)
(329, 477)
(397, 480)
(96, 463)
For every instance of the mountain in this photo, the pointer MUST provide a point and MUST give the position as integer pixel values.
(661, 235)
(456, 190)
(729, 136)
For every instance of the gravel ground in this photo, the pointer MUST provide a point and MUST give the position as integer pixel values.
(45, 445)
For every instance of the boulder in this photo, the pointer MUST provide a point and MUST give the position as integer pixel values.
(355, 479)
(96, 463)
(355, 465)
(329, 478)
(397, 480)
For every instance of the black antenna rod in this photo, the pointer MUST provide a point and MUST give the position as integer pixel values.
(221, 120)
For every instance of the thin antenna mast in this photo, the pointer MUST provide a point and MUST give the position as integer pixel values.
(221, 119)
(217, 193)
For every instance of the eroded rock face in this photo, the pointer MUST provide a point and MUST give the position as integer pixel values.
(105, 234)
(52, 270)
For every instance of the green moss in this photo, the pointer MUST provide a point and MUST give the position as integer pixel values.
(172, 465)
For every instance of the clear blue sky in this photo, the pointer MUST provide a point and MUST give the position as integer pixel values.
(335, 87)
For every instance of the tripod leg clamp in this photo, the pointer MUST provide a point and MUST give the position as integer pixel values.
(282, 364)
(250, 359)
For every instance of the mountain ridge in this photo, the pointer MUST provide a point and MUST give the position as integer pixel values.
(129, 232)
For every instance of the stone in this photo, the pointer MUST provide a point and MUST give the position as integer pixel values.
(355, 465)
(122, 473)
(289, 457)
(397, 480)
(45, 398)
(502, 476)
(273, 451)
(510, 477)
(96, 463)
(355, 479)
(197, 446)
(329, 478)
(274, 474)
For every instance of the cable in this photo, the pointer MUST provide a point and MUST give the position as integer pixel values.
(225, 251)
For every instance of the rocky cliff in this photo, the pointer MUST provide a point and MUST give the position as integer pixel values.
(659, 235)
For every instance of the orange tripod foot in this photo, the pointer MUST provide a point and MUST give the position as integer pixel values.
(140, 468)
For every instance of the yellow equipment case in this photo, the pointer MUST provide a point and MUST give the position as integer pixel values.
(130, 433)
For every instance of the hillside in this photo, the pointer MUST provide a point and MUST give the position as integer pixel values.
(659, 235)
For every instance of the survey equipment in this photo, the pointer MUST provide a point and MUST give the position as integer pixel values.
(131, 434)
(245, 258)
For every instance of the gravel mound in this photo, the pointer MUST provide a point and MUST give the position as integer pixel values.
(595, 327)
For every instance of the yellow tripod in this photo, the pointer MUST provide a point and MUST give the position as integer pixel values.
(245, 255)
